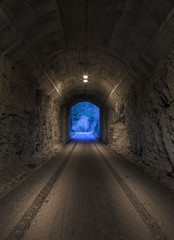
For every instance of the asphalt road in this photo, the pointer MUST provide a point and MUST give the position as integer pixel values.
(87, 193)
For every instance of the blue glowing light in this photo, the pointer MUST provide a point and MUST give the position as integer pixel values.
(84, 120)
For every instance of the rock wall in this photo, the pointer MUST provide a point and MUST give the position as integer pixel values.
(118, 138)
(142, 126)
(151, 134)
(29, 119)
(45, 122)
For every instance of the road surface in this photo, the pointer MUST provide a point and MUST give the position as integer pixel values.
(87, 193)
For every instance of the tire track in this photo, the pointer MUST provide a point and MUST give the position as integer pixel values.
(24, 223)
(149, 221)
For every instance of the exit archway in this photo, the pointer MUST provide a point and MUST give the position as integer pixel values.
(84, 118)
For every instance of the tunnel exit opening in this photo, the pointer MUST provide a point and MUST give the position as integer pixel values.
(84, 121)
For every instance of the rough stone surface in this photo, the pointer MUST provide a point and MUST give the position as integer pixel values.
(45, 126)
(142, 126)
(118, 138)
(17, 99)
(29, 122)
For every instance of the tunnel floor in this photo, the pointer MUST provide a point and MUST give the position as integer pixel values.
(87, 193)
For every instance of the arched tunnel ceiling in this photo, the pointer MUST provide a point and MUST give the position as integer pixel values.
(57, 40)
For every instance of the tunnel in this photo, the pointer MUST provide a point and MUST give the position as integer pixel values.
(115, 55)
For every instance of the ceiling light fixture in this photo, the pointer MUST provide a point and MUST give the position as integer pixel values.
(85, 80)
(85, 77)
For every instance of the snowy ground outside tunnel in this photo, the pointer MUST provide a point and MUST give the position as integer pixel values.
(84, 136)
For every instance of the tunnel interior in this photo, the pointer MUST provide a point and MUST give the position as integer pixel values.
(125, 47)
(84, 118)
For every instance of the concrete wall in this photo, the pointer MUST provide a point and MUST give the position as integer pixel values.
(142, 123)
(29, 119)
